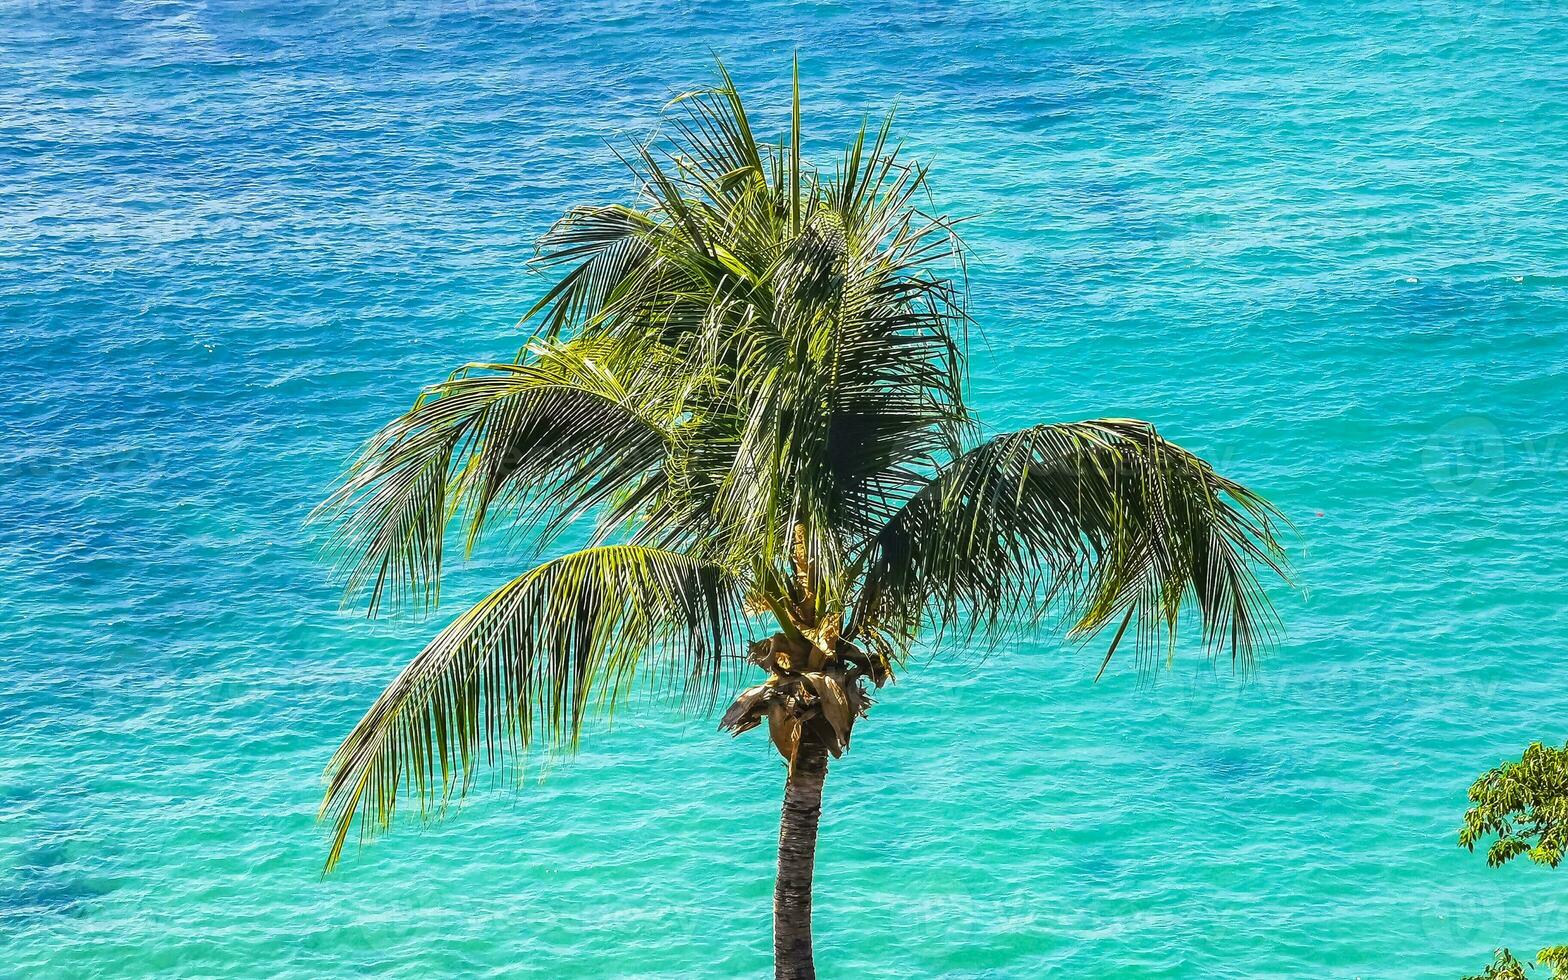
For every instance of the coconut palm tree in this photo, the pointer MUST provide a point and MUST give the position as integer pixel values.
(752, 379)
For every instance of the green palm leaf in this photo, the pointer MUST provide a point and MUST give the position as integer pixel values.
(1105, 516)
(534, 657)
(552, 436)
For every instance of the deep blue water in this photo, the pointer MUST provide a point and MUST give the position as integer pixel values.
(1322, 244)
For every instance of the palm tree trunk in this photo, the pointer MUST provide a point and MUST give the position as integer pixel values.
(797, 855)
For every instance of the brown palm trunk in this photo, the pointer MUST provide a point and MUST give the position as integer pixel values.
(797, 855)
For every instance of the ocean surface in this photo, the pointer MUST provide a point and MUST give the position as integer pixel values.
(1323, 244)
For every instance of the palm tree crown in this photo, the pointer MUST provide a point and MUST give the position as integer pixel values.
(752, 378)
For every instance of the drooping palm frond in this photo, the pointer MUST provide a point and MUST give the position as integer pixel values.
(1103, 519)
(552, 435)
(536, 656)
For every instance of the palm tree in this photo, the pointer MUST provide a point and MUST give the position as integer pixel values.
(752, 378)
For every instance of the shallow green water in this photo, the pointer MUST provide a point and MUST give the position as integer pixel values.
(1322, 244)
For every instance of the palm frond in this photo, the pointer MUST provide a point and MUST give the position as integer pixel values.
(535, 657)
(1104, 520)
(553, 435)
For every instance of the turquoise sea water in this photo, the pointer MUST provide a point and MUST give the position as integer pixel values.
(1321, 243)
